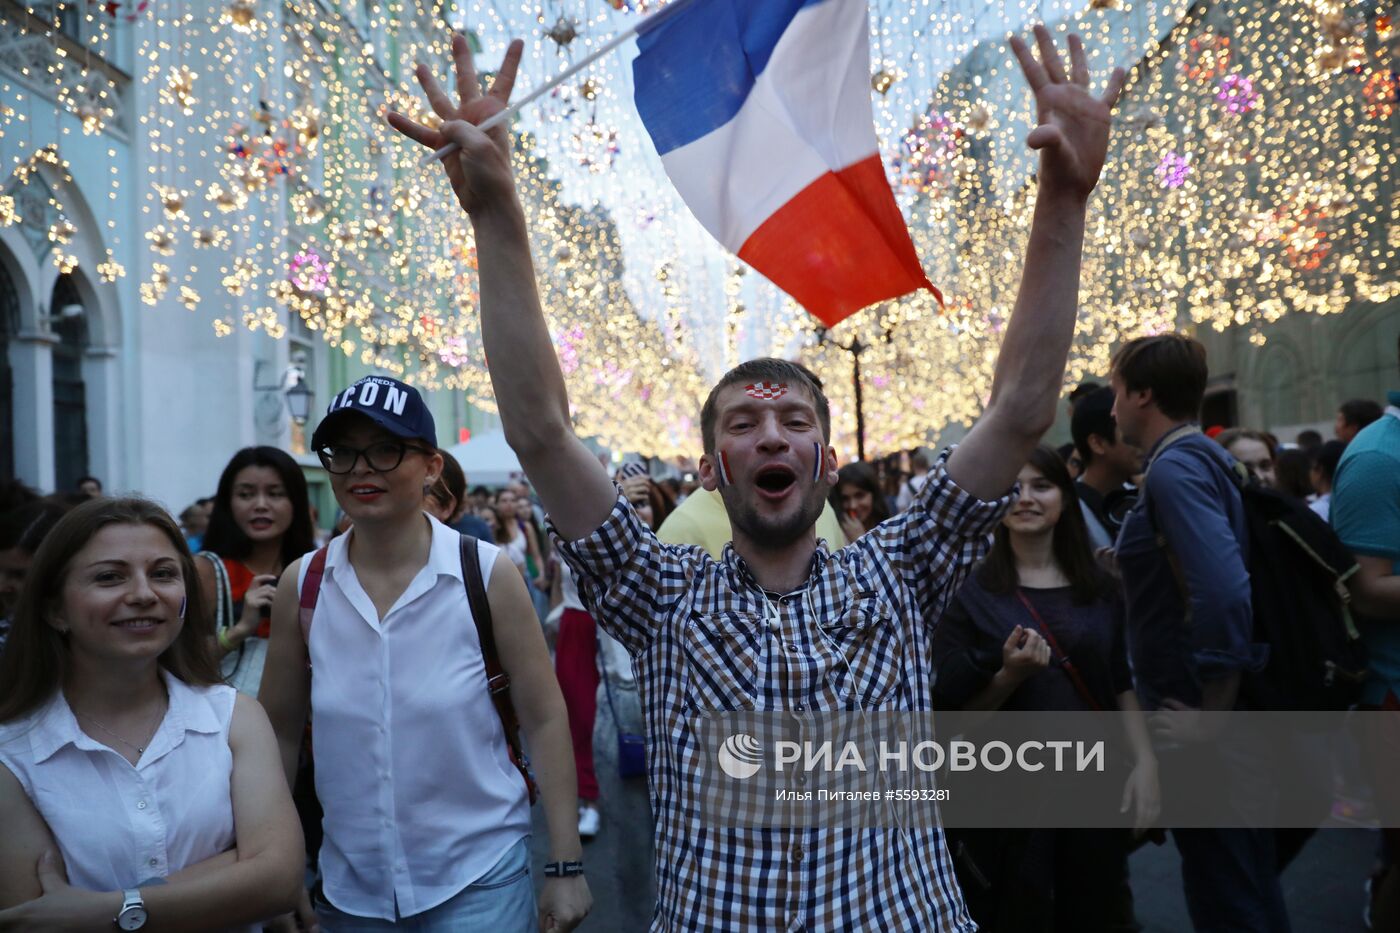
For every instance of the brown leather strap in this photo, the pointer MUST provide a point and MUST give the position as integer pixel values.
(497, 680)
(1079, 686)
(310, 592)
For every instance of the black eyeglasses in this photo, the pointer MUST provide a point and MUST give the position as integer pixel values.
(383, 457)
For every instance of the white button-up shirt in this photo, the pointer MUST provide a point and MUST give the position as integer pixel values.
(412, 767)
(119, 824)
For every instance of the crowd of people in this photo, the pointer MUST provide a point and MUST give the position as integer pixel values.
(244, 720)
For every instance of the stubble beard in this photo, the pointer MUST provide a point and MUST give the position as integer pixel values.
(773, 534)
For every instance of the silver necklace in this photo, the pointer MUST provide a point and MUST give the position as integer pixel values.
(140, 749)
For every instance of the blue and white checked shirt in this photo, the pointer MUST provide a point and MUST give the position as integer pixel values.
(704, 636)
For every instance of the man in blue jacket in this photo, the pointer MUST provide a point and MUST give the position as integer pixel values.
(1182, 556)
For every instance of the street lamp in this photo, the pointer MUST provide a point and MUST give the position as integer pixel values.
(855, 348)
(299, 397)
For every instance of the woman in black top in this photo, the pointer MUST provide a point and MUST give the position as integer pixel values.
(1039, 598)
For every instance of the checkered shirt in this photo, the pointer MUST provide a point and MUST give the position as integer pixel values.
(704, 636)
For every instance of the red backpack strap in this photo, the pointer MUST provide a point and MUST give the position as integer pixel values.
(497, 680)
(311, 591)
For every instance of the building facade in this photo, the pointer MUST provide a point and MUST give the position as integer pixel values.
(129, 347)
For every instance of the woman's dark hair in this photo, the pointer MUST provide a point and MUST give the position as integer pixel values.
(226, 539)
(1293, 473)
(661, 502)
(862, 476)
(35, 658)
(1328, 456)
(25, 527)
(501, 536)
(1089, 581)
(451, 484)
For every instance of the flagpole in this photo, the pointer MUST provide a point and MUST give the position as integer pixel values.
(499, 118)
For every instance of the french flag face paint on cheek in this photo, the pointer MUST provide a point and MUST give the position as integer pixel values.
(818, 464)
(182, 607)
(726, 478)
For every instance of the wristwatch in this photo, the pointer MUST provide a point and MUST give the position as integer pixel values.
(132, 916)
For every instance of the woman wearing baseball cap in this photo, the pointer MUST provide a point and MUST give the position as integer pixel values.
(426, 807)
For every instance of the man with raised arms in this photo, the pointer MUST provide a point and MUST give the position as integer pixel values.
(780, 622)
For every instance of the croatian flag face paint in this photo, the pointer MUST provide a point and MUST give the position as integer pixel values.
(769, 391)
(726, 478)
(819, 463)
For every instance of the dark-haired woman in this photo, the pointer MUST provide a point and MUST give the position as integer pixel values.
(1040, 597)
(858, 499)
(260, 523)
(134, 783)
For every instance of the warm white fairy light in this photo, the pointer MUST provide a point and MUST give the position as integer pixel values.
(1274, 121)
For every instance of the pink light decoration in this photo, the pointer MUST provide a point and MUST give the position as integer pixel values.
(453, 352)
(308, 271)
(1236, 94)
(930, 147)
(1173, 170)
(567, 346)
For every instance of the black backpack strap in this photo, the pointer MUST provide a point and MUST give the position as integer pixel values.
(497, 680)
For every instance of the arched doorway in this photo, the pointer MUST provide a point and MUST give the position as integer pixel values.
(9, 325)
(70, 431)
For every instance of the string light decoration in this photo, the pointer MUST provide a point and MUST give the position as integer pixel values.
(1280, 198)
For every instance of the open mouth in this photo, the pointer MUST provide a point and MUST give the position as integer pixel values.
(260, 524)
(775, 481)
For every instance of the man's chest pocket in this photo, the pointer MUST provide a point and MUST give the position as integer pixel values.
(866, 650)
(721, 653)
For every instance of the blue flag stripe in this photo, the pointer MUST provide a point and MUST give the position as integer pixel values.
(696, 69)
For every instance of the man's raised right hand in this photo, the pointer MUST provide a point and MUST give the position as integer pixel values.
(480, 169)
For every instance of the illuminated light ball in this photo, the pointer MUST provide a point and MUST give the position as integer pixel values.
(563, 32)
(882, 80)
(239, 146)
(568, 346)
(930, 147)
(1306, 246)
(1173, 169)
(453, 352)
(62, 232)
(1207, 57)
(308, 271)
(1381, 93)
(277, 158)
(979, 118)
(241, 14)
(1236, 94)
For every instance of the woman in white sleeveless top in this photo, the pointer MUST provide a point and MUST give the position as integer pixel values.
(426, 819)
(133, 784)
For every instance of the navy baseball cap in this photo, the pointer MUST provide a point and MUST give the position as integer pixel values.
(394, 406)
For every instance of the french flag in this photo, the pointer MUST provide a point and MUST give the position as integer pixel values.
(760, 110)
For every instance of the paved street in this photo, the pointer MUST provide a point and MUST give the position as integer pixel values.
(619, 860)
(1323, 886)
